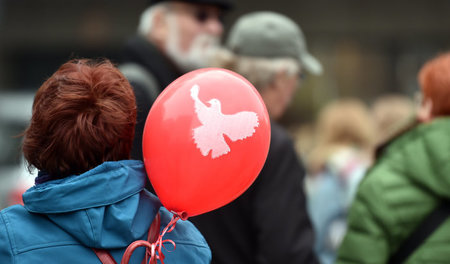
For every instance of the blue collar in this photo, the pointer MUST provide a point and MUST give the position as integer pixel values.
(106, 184)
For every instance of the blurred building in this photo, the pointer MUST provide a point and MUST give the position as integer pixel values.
(367, 47)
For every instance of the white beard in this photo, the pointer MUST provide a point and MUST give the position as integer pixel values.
(200, 51)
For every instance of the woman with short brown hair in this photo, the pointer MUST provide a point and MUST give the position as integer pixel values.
(87, 195)
(83, 115)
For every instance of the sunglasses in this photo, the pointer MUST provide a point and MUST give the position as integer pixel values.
(202, 16)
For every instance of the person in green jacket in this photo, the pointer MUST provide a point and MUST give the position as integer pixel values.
(410, 179)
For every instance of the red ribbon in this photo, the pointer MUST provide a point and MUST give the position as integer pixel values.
(154, 250)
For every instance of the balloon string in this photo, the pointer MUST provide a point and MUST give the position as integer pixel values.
(160, 243)
(154, 250)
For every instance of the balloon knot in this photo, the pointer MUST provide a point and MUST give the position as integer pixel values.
(181, 215)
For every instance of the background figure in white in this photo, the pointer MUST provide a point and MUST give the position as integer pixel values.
(345, 141)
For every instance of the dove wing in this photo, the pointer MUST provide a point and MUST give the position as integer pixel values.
(240, 125)
(201, 109)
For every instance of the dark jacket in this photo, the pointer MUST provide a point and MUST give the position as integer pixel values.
(409, 180)
(139, 51)
(106, 207)
(268, 223)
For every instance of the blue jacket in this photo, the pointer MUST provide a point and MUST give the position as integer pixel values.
(106, 207)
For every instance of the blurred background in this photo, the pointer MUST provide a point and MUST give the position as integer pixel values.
(367, 48)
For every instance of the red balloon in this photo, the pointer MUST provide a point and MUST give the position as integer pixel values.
(205, 140)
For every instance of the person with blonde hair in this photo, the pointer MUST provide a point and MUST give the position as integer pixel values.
(400, 212)
(337, 163)
(342, 123)
(392, 113)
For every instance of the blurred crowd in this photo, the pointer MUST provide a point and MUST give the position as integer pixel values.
(341, 147)
(353, 185)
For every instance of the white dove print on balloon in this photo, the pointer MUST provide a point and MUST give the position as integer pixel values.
(210, 135)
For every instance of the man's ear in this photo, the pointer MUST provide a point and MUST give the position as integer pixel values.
(424, 113)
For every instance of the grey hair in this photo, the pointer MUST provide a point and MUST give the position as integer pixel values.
(260, 71)
(146, 19)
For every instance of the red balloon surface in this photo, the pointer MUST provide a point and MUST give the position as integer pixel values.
(205, 140)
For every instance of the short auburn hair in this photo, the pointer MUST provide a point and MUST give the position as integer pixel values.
(83, 115)
(434, 79)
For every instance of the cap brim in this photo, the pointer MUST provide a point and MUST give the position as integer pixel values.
(311, 64)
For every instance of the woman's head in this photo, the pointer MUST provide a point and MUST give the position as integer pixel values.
(434, 79)
(346, 121)
(391, 113)
(83, 115)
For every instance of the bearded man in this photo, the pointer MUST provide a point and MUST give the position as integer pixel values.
(173, 37)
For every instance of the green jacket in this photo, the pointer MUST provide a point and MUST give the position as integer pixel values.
(404, 186)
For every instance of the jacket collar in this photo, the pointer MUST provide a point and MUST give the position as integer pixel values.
(105, 207)
(422, 156)
(106, 184)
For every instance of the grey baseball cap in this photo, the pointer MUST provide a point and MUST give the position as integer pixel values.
(269, 34)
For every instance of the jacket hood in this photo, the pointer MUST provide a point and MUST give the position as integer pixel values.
(423, 156)
(100, 207)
